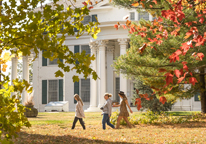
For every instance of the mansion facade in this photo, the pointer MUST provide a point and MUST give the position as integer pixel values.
(109, 45)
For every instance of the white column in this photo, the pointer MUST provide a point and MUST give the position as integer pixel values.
(14, 62)
(123, 80)
(25, 77)
(102, 71)
(110, 72)
(35, 81)
(93, 83)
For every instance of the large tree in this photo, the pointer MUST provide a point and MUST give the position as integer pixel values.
(167, 54)
(26, 28)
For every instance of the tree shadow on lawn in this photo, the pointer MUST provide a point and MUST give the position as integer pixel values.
(25, 138)
(192, 124)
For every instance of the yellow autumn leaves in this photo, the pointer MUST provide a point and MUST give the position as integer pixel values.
(4, 59)
(199, 5)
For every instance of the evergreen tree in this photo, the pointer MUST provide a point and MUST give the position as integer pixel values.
(167, 54)
(153, 104)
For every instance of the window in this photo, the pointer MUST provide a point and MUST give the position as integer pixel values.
(197, 97)
(52, 90)
(47, 61)
(144, 15)
(117, 89)
(86, 48)
(85, 90)
(83, 86)
(132, 16)
(54, 62)
(81, 48)
(87, 19)
(153, 18)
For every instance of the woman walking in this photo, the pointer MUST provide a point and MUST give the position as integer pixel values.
(79, 112)
(107, 111)
(123, 110)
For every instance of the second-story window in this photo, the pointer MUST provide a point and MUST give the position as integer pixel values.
(143, 15)
(54, 62)
(132, 15)
(87, 19)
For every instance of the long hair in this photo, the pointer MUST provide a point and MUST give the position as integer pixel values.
(108, 94)
(78, 98)
(122, 95)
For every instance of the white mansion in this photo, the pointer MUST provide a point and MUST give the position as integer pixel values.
(110, 44)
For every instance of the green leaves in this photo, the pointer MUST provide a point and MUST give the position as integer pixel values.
(59, 74)
(28, 28)
(75, 78)
(12, 116)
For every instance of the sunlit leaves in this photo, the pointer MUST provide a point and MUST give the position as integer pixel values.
(12, 120)
(26, 28)
(178, 36)
(163, 100)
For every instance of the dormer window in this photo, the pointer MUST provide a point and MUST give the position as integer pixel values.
(143, 15)
(132, 15)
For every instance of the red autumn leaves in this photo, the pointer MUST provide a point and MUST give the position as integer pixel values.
(145, 96)
(177, 19)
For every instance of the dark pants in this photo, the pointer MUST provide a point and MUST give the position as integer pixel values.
(106, 120)
(81, 122)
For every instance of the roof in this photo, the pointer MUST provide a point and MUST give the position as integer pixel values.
(66, 3)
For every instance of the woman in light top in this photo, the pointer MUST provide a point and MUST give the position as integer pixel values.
(107, 111)
(79, 112)
(123, 110)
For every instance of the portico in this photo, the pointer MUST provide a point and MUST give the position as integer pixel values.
(25, 75)
(104, 53)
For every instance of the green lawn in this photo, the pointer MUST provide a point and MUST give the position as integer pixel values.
(56, 128)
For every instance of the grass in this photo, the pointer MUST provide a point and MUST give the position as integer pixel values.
(56, 128)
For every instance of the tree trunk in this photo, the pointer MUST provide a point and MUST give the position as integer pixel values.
(202, 91)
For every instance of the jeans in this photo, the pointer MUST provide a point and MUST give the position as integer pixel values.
(81, 122)
(106, 120)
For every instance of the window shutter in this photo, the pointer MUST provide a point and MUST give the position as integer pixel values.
(76, 50)
(117, 88)
(75, 29)
(94, 18)
(76, 89)
(196, 96)
(62, 26)
(45, 32)
(44, 91)
(61, 60)
(61, 90)
(128, 45)
(44, 60)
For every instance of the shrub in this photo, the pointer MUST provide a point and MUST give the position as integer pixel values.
(150, 117)
(153, 104)
(12, 117)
